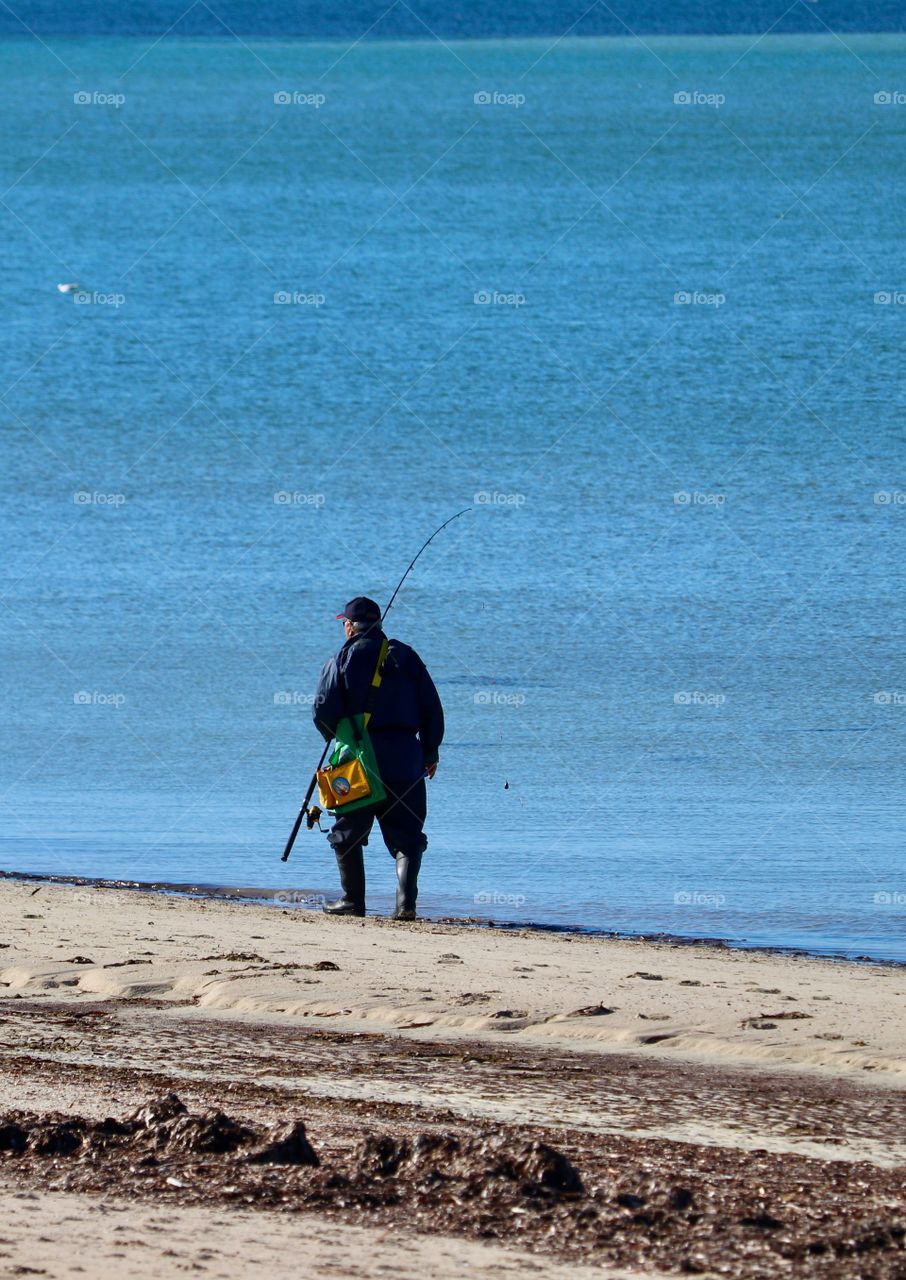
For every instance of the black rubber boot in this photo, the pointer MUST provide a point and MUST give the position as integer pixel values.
(351, 866)
(407, 869)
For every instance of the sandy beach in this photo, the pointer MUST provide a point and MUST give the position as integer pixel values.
(185, 1076)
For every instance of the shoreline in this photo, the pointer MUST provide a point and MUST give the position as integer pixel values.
(296, 899)
(704, 1001)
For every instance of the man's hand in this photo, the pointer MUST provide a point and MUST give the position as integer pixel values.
(430, 770)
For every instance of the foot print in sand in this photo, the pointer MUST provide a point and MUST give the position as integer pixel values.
(591, 1011)
(785, 1015)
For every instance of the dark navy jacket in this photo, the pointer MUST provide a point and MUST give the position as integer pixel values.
(407, 720)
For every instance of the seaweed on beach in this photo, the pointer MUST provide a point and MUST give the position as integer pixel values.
(615, 1199)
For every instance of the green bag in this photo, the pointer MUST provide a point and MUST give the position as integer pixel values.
(351, 779)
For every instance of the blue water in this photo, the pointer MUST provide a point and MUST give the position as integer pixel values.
(673, 622)
(408, 19)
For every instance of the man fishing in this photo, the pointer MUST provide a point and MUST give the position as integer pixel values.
(406, 728)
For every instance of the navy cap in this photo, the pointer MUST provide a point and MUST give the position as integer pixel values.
(361, 609)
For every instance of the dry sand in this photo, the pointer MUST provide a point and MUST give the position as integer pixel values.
(649, 1052)
(71, 1237)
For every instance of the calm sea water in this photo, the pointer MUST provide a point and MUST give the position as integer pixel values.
(407, 19)
(637, 332)
(379, 19)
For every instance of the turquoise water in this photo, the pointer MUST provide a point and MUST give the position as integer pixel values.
(673, 622)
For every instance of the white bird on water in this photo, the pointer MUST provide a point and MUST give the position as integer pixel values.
(68, 288)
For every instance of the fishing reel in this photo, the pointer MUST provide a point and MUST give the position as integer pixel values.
(313, 818)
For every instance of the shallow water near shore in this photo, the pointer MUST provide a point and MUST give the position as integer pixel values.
(668, 636)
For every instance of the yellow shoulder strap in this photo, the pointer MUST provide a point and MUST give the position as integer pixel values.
(376, 680)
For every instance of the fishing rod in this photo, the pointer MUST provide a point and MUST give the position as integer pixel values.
(311, 816)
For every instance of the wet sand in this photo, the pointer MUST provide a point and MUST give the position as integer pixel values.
(468, 1097)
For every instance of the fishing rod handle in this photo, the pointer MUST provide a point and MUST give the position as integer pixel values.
(305, 803)
(292, 835)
